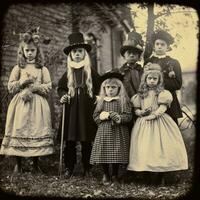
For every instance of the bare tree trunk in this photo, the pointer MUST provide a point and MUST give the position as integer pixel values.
(75, 19)
(150, 29)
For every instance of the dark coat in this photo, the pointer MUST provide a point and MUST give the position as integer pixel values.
(79, 124)
(132, 76)
(171, 84)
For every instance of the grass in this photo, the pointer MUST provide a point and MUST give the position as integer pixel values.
(49, 184)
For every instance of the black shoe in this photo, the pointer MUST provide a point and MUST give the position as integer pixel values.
(68, 173)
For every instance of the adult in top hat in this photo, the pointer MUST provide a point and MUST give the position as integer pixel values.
(76, 40)
(134, 42)
(162, 35)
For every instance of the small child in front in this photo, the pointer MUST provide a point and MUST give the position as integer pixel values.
(112, 113)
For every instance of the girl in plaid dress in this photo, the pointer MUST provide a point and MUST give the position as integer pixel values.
(112, 113)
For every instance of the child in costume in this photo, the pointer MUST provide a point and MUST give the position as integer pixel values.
(77, 89)
(112, 113)
(172, 74)
(28, 131)
(131, 69)
(156, 142)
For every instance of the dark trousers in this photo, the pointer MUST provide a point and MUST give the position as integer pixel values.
(70, 154)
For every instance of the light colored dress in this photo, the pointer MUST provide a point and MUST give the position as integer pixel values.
(156, 145)
(28, 130)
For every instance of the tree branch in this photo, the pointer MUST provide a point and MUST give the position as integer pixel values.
(164, 13)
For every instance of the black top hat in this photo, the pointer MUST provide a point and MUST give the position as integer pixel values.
(163, 35)
(114, 73)
(134, 42)
(76, 40)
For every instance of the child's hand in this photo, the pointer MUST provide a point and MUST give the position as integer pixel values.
(115, 117)
(171, 74)
(146, 112)
(26, 82)
(104, 115)
(142, 113)
(65, 99)
(150, 117)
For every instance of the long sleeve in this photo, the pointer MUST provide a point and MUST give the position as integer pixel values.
(164, 100)
(96, 117)
(62, 85)
(13, 83)
(160, 110)
(95, 81)
(127, 81)
(126, 116)
(174, 83)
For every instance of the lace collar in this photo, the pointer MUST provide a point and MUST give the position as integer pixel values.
(110, 98)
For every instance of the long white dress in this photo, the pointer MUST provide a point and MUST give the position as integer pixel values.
(156, 145)
(28, 130)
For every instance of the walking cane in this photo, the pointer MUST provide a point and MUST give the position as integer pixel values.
(61, 145)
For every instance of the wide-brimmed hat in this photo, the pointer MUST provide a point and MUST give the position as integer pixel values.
(76, 40)
(114, 73)
(134, 42)
(163, 35)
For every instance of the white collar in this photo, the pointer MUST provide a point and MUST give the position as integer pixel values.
(158, 56)
(110, 98)
(30, 61)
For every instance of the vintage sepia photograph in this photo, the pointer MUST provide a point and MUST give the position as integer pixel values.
(99, 99)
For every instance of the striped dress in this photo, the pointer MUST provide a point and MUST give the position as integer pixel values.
(111, 143)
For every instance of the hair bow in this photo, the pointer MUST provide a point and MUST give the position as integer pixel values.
(32, 34)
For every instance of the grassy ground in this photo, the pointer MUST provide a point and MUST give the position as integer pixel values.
(50, 184)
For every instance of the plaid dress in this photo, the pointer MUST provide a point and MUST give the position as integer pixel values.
(111, 143)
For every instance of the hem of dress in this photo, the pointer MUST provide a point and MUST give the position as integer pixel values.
(157, 169)
(22, 154)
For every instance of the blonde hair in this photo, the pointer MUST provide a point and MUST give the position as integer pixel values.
(21, 60)
(87, 72)
(123, 97)
(143, 88)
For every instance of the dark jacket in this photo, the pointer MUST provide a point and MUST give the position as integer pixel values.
(79, 124)
(171, 84)
(132, 75)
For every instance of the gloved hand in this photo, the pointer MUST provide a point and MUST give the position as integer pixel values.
(65, 99)
(115, 117)
(25, 82)
(142, 113)
(104, 115)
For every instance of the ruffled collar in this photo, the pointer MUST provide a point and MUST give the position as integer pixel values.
(110, 98)
(158, 56)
